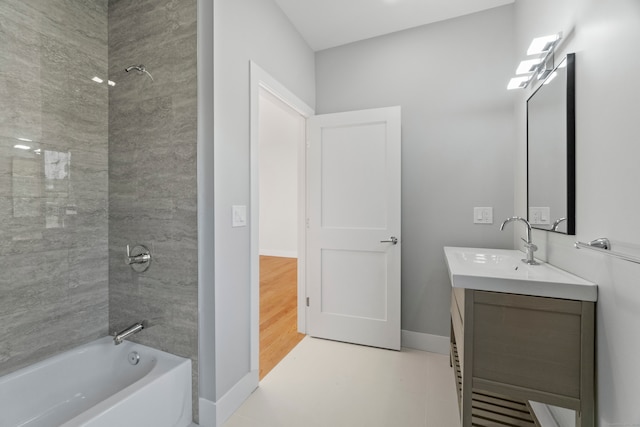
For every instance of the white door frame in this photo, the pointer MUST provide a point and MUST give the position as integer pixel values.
(260, 79)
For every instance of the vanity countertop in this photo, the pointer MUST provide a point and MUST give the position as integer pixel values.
(501, 270)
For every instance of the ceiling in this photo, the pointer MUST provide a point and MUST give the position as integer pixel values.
(330, 23)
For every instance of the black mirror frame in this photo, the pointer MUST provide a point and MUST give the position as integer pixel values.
(571, 148)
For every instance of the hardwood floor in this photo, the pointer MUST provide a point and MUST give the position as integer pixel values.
(278, 310)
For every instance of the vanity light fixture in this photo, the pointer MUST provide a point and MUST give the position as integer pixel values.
(538, 67)
(519, 82)
(22, 147)
(544, 44)
(528, 66)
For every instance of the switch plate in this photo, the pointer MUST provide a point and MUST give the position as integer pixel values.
(483, 215)
(238, 216)
(540, 215)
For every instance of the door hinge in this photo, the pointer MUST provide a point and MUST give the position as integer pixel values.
(307, 301)
(307, 222)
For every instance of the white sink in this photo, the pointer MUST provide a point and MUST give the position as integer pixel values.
(501, 270)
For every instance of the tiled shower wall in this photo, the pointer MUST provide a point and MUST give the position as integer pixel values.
(152, 172)
(105, 167)
(53, 177)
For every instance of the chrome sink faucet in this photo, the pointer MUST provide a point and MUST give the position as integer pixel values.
(528, 244)
(556, 224)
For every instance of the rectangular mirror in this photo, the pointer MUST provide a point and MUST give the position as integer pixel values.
(551, 151)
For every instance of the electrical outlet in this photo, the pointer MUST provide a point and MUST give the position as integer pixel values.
(540, 215)
(483, 215)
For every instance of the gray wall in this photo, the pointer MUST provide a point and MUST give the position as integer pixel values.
(457, 139)
(53, 202)
(605, 37)
(152, 173)
(244, 30)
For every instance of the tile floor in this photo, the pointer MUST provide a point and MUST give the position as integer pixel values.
(332, 384)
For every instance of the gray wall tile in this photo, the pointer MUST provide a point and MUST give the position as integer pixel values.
(108, 166)
(53, 197)
(152, 173)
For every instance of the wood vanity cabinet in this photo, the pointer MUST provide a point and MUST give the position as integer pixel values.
(525, 347)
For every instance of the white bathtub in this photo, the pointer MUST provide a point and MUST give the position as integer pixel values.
(96, 386)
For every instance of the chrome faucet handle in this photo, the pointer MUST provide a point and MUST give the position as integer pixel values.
(139, 258)
(531, 246)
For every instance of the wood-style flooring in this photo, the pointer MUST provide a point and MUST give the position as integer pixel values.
(278, 310)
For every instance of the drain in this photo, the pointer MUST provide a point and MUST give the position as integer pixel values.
(134, 358)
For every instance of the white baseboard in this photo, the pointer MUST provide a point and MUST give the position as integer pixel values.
(214, 414)
(276, 252)
(425, 342)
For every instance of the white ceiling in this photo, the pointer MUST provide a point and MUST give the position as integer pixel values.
(330, 23)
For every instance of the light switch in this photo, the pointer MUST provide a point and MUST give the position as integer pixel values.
(238, 216)
(483, 215)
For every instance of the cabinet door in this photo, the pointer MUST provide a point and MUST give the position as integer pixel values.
(529, 342)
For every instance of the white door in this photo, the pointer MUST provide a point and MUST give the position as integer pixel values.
(353, 256)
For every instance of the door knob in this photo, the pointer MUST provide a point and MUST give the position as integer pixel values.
(392, 239)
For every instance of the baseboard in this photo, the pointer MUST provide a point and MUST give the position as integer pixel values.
(215, 414)
(425, 342)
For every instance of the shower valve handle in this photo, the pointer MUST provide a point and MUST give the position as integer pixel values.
(138, 258)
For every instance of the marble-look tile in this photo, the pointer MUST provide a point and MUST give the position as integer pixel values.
(25, 240)
(88, 226)
(171, 175)
(79, 24)
(40, 333)
(88, 273)
(50, 55)
(152, 169)
(122, 170)
(172, 64)
(89, 174)
(156, 22)
(33, 238)
(53, 196)
(73, 105)
(30, 285)
(20, 65)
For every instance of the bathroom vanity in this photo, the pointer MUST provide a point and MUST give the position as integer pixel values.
(519, 333)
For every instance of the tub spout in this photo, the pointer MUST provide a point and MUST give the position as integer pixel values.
(122, 335)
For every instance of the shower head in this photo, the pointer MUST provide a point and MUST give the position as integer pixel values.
(139, 68)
